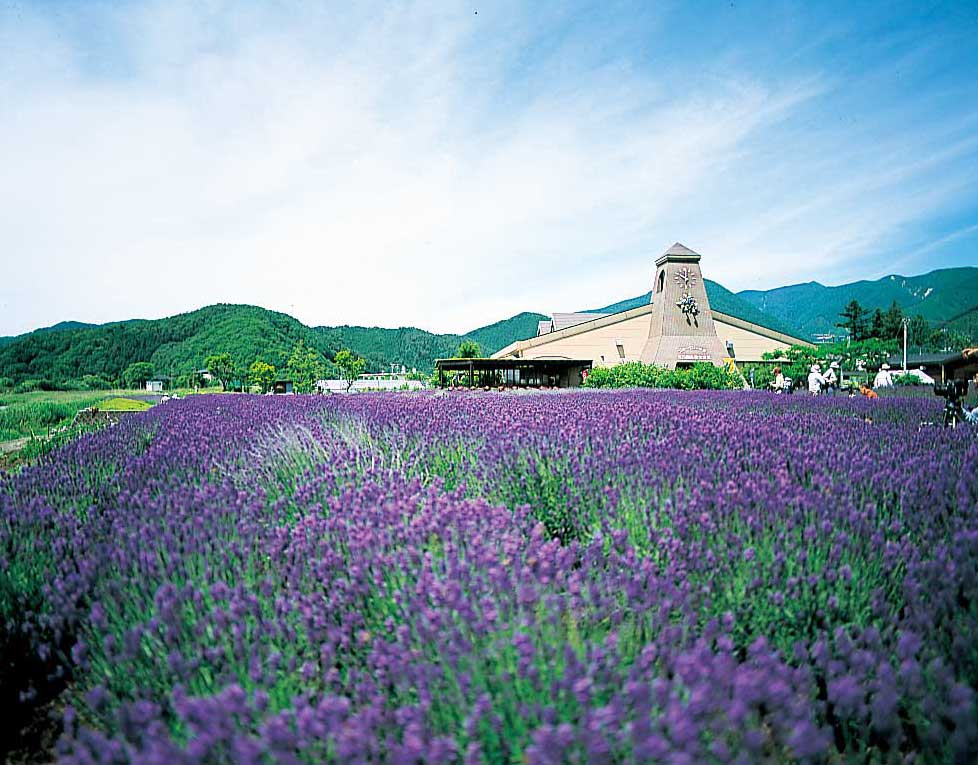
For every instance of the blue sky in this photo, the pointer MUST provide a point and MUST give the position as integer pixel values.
(448, 165)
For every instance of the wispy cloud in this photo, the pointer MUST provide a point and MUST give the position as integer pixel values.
(430, 166)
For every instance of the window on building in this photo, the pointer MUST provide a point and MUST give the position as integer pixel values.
(660, 285)
(621, 348)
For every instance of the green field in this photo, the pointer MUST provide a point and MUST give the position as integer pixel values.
(37, 413)
(119, 404)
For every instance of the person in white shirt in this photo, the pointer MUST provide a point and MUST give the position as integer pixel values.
(815, 380)
(832, 378)
(883, 378)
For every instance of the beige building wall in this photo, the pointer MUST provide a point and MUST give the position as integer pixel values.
(600, 344)
(748, 345)
(598, 340)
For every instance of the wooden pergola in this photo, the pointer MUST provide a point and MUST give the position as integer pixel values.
(511, 373)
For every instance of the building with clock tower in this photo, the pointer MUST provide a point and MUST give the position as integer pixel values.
(683, 320)
(681, 328)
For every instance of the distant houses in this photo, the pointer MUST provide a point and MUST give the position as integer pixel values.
(372, 381)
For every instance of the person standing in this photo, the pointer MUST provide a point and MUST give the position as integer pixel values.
(832, 378)
(779, 384)
(883, 378)
(815, 380)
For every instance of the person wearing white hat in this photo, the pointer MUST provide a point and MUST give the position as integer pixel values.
(832, 378)
(883, 378)
(815, 380)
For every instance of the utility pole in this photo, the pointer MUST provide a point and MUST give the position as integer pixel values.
(905, 322)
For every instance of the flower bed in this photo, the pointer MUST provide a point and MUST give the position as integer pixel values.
(594, 576)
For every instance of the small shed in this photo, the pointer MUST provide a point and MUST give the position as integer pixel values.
(154, 386)
(283, 386)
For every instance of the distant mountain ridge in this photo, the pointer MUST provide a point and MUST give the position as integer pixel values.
(417, 348)
(53, 328)
(179, 344)
(722, 300)
(946, 295)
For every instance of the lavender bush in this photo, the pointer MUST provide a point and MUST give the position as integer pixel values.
(588, 577)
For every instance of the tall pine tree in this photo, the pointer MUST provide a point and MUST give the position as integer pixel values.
(855, 320)
(892, 322)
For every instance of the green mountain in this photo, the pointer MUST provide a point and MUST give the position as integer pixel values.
(945, 296)
(417, 349)
(179, 344)
(54, 328)
(722, 300)
(966, 322)
(176, 344)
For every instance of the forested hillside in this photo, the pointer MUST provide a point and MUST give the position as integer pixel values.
(61, 325)
(943, 296)
(417, 349)
(67, 352)
(179, 344)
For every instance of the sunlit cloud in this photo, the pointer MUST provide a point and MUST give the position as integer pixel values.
(439, 167)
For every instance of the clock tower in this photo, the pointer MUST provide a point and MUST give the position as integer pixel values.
(682, 330)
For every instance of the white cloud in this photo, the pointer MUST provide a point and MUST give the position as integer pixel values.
(391, 169)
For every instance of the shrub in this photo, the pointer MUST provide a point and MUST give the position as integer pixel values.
(29, 386)
(906, 379)
(763, 374)
(635, 374)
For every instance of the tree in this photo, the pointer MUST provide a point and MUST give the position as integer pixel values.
(918, 331)
(305, 367)
(854, 320)
(137, 374)
(350, 365)
(94, 382)
(876, 324)
(947, 339)
(468, 349)
(262, 374)
(892, 322)
(221, 367)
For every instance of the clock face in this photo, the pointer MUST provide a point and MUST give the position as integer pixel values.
(685, 278)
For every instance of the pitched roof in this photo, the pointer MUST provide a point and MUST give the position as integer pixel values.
(679, 249)
(565, 320)
(543, 327)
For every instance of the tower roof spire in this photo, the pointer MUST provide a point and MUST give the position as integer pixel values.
(678, 253)
(679, 249)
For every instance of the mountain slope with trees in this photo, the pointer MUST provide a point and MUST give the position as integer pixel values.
(944, 296)
(179, 345)
(175, 345)
(417, 349)
(942, 308)
(722, 300)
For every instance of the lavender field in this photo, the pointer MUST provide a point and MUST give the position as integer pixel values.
(584, 577)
